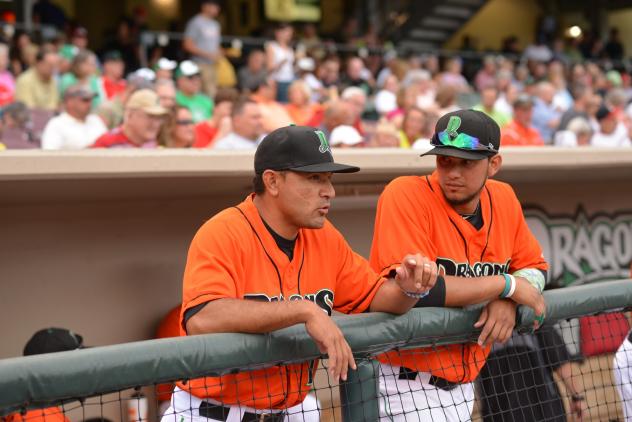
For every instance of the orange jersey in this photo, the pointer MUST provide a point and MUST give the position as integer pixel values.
(233, 255)
(50, 414)
(413, 216)
(514, 134)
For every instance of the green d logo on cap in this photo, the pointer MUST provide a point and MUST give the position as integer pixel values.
(453, 124)
(324, 145)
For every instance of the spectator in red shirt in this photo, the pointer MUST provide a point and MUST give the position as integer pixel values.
(112, 82)
(520, 132)
(143, 118)
(219, 125)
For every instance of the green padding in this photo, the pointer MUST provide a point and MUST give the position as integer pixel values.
(359, 393)
(41, 380)
(572, 302)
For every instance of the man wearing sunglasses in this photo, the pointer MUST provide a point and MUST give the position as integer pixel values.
(474, 229)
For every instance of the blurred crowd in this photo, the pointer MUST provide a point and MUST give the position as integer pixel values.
(61, 95)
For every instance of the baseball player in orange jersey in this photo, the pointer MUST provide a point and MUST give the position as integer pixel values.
(274, 261)
(474, 229)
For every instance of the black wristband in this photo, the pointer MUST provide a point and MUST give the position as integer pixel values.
(577, 397)
(436, 296)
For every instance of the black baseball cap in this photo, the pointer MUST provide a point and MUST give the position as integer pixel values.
(467, 134)
(50, 340)
(112, 56)
(603, 112)
(298, 148)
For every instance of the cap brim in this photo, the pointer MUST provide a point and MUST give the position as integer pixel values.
(326, 168)
(155, 110)
(458, 153)
(80, 95)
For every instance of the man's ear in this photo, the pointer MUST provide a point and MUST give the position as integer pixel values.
(271, 181)
(494, 165)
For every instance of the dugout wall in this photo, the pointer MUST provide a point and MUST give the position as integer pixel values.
(96, 241)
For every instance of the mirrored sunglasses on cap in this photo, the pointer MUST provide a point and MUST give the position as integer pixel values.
(461, 141)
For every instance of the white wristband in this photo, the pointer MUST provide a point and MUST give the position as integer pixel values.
(512, 289)
(415, 295)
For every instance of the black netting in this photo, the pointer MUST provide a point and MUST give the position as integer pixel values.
(569, 370)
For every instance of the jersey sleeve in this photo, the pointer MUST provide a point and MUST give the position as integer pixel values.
(527, 252)
(401, 225)
(212, 266)
(356, 282)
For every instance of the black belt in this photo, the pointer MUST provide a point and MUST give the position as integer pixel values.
(444, 384)
(220, 413)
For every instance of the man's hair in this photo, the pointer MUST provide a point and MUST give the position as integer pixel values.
(579, 126)
(43, 52)
(81, 57)
(240, 105)
(282, 25)
(19, 113)
(578, 90)
(215, 2)
(230, 95)
(351, 92)
(257, 184)
(258, 187)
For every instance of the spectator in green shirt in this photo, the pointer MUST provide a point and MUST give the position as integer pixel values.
(84, 72)
(189, 93)
(489, 95)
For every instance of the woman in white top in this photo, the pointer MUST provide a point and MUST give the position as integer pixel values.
(280, 59)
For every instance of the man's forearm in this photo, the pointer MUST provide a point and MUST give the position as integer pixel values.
(565, 371)
(390, 298)
(249, 316)
(463, 291)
